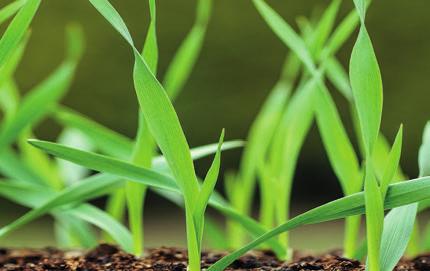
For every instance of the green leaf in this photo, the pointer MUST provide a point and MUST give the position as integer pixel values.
(70, 172)
(185, 58)
(105, 164)
(398, 194)
(145, 176)
(17, 29)
(10, 65)
(150, 49)
(8, 11)
(105, 222)
(262, 131)
(157, 109)
(73, 232)
(207, 190)
(105, 139)
(289, 138)
(45, 201)
(424, 153)
(374, 218)
(12, 167)
(398, 227)
(339, 77)
(366, 85)
(80, 192)
(324, 27)
(393, 161)
(41, 99)
(285, 32)
(337, 144)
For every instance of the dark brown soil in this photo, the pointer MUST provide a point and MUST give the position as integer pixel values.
(106, 257)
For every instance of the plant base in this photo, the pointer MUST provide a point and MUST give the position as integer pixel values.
(107, 257)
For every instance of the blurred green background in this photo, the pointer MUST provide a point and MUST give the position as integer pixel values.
(239, 64)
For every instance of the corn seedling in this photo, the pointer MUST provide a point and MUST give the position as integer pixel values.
(127, 168)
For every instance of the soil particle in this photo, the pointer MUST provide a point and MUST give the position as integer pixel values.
(110, 258)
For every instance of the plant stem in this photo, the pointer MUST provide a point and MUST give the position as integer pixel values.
(193, 244)
(142, 155)
(352, 229)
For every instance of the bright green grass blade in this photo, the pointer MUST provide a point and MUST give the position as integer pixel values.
(398, 227)
(393, 161)
(339, 77)
(185, 58)
(105, 222)
(29, 195)
(105, 139)
(45, 201)
(150, 49)
(42, 98)
(374, 218)
(285, 33)
(8, 11)
(158, 111)
(360, 5)
(424, 153)
(398, 194)
(290, 136)
(259, 138)
(149, 178)
(144, 146)
(117, 145)
(39, 162)
(207, 190)
(113, 17)
(366, 85)
(77, 193)
(105, 164)
(166, 129)
(70, 172)
(10, 65)
(342, 32)
(337, 144)
(12, 167)
(323, 28)
(9, 99)
(75, 232)
(17, 29)
(399, 223)
(33, 196)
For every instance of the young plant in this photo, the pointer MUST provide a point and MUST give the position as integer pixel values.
(311, 85)
(174, 150)
(26, 170)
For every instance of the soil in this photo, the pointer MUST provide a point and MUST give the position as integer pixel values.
(110, 258)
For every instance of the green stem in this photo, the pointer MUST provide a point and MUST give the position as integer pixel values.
(352, 230)
(193, 244)
(142, 155)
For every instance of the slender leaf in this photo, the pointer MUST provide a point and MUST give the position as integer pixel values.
(366, 85)
(398, 194)
(285, 33)
(8, 11)
(393, 161)
(41, 99)
(185, 58)
(337, 144)
(147, 177)
(207, 190)
(374, 218)
(17, 29)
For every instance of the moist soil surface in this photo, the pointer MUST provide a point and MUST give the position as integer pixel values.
(107, 257)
